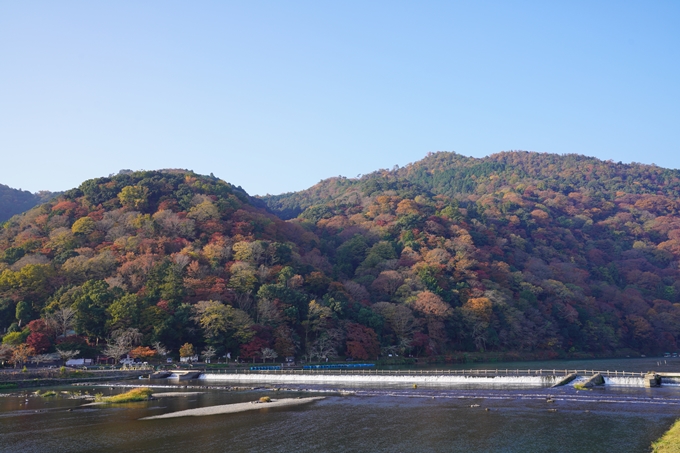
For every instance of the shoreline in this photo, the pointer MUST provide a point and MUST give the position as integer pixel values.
(57, 382)
(670, 441)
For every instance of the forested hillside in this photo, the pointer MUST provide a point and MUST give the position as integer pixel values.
(13, 201)
(459, 176)
(523, 252)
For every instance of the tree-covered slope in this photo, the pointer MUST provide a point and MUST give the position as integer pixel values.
(452, 174)
(458, 176)
(526, 250)
(142, 251)
(520, 252)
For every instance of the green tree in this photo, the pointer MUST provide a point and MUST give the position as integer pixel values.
(33, 283)
(83, 226)
(219, 321)
(125, 312)
(23, 312)
(16, 338)
(243, 278)
(350, 254)
(134, 197)
(90, 302)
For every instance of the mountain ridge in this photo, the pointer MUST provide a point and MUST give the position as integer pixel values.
(436, 169)
(16, 201)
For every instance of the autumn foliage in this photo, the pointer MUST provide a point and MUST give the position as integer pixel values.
(514, 252)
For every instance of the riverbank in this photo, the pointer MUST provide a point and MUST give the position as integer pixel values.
(669, 442)
(461, 358)
(27, 381)
(236, 408)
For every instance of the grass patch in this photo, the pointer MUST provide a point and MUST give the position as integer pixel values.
(580, 387)
(46, 394)
(137, 394)
(669, 442)
(265, 399)
(5, 386)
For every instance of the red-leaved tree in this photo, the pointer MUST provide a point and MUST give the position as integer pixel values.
(39, 342)
(362, 342)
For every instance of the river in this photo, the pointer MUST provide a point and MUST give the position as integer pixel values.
(375, 418)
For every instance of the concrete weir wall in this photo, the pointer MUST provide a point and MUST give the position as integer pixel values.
(566, 380)
(593, 381)
(377, 379)
(186, 375)
(652, 380)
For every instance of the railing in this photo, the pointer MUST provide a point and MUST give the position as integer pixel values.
(469, 372)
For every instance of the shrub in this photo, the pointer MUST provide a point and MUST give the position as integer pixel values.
(265, 399)
(15, 338)
(136, 394)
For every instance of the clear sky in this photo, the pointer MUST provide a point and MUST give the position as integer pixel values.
(275, 96)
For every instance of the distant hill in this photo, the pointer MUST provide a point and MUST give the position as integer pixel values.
(14, 201)
(458, 176)
(524, 254)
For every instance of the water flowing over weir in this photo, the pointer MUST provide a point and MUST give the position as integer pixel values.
(431, 379)
(670, 381)
(624, 381)
(624, 373)
(487, 378)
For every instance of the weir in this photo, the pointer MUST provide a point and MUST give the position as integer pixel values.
(594, 380)
(630, 381)
(500, 377)
(185, 375)
(566, 380)
(383, 379)
(670, 380)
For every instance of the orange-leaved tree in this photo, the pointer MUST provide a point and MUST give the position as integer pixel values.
(142, 352)
(187, 350)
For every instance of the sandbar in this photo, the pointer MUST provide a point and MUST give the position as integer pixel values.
(235, 408)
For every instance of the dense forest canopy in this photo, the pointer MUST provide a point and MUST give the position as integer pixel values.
(458, 176)
(525, 252)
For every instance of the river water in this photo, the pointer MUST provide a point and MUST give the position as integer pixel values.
(374, 418)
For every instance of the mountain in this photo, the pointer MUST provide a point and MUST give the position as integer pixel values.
(13, 201)
(517, 253)
(458, 176)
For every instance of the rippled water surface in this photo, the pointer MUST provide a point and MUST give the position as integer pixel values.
(384, 419)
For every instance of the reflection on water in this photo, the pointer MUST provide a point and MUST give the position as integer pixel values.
(388, 418)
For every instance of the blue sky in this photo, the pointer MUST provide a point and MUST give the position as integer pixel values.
(275, 96)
